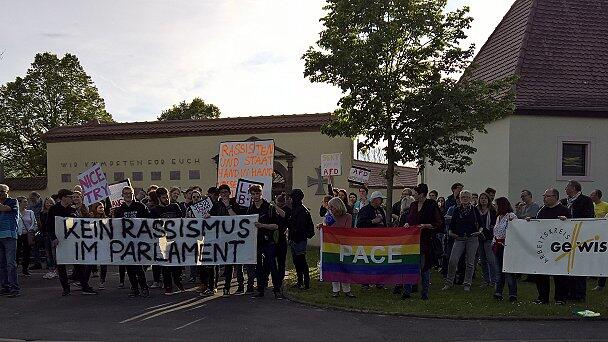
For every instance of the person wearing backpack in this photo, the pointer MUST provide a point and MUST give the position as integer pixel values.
(267, 225)
(301, 228)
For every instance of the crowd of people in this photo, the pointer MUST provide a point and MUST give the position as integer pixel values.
(458, 233)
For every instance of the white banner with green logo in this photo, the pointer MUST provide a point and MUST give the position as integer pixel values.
(570, 247)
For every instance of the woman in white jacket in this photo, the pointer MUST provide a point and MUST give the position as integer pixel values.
(26, 229)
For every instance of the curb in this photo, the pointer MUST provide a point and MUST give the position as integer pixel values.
(444, 317)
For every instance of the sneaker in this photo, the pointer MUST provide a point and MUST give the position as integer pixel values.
(155, 285)
(598, 288)
(446, 287)
(539, 302)
(53, 275)
(13, 294)
(89, 291)
(121, 285)
(335, 294)
(76, 283)
(145, 293)
(102, 285)
(192, 280)
(47, 275)
(467, 288)
(349, 295)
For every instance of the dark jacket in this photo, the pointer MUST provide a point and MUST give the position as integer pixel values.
(429, 214)
(57, 210)
(367, 214)
(167, 211)
(582, 207)
(300, 224)
(135, 210)
(465, 225)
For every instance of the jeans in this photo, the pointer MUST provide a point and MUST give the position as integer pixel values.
(425, 279)
(267, 263)
(23, 249)
(469, 246)
(50, 253)
(488, 261)
(502, 277)
(543, 285)
(228, 270)
(8, 264)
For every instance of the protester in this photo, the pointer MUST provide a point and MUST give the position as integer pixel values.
(225, 206)
(352, 199)
(342, 219)
(266, 254)
(343, 195)
(601, 211)
(194, 197)
(9, 217)
(505, 214)
(527, 207)
(35, 205)
(27, 228)
(474, 199)
(48, 248)
(64, 208)
(552, 209)
(361, 202)
(166, 209)
(301, 228)
(492, 193)
(284, 211)
(396, 209)
(465, 228)
(372, 215)
(404, 209)
(441, 204)
(451, 200)
(80, 208)
(324, 204)
(433, 195)
(132, 209)
(486, 255)
(98, 212)
(425, 214)
(174, 194)
(213, 193)
(580, 206)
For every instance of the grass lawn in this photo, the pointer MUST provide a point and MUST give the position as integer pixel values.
(454, 302)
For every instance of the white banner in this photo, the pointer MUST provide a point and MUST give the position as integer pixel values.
(252, 160)
(214, 241)
(116, 192)
(572, 247)
(331, 164)
(359, 175)
(94, 185)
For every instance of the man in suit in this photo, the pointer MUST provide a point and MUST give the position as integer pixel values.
(580, 206)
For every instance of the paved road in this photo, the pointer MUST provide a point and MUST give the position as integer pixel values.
(42, 314)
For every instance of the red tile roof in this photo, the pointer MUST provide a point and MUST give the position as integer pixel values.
(559, 50)
(29, 183)
(404, 177)
(178, 128)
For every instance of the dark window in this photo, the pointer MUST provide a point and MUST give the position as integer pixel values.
(194, 174)
(66, 178)
(138, 176)
(174, 175)
(118, 176)
(574, 159)
(155, 175)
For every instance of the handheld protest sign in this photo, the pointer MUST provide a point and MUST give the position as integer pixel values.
(201, 208)
(359, 175)
(242, 196)
(116, 192)
(331, 164)
(251, 160)
(94, 185)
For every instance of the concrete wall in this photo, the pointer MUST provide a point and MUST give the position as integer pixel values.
(535, 146)
(490, 166)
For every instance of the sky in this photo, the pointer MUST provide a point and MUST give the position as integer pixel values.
(145, 56)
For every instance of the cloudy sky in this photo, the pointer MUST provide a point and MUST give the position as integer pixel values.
(144, 56)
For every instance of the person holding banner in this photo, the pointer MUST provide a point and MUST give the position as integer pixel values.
(132, 209)
(552, 209)
(166, 209)
(266, 225)
(301, 228)
(504, 212)
(342, 219)
(64, 208)
(425, 214)
(284, 212)
(372, 215)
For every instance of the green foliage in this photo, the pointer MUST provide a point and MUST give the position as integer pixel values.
(395, 62)
(197, 109)
(54, 92)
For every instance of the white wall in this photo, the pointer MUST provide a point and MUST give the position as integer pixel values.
(490, 166)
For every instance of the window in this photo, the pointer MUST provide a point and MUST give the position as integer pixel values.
(194, 174)
(174, 175)
(66, 178)
(119, 176)
(574, 159)
(138, 176)
(155, 175)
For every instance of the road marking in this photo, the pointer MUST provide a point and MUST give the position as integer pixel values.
(185, 325)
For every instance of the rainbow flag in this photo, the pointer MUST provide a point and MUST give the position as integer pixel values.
(370, 255)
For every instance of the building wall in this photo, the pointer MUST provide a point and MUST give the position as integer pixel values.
(490, 166)
(535, 147)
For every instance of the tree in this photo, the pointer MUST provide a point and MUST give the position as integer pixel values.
(395, 62)
(54, 92)
(197, 109)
